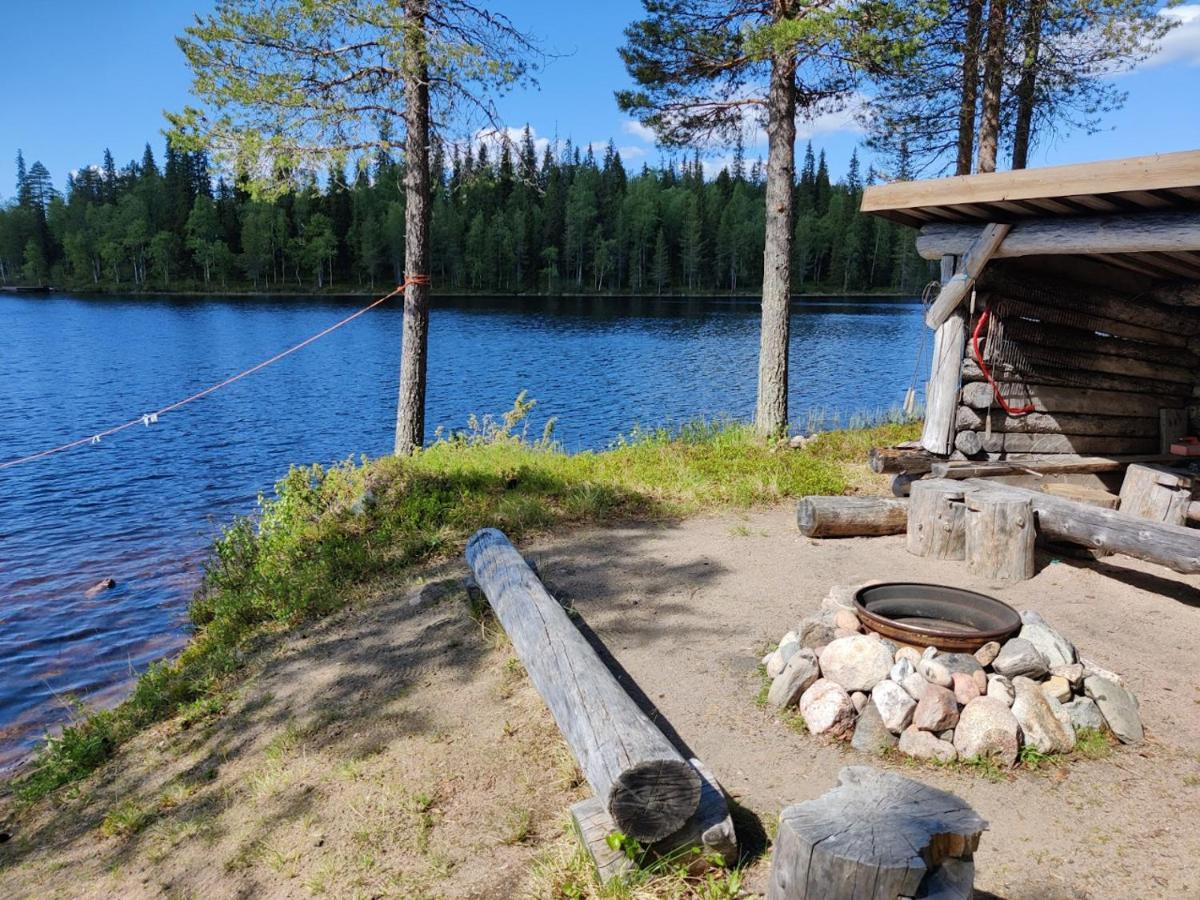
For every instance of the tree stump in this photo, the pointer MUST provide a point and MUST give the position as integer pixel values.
(876, 835)
(1159, 493)
(936, 520)
(999, 537)
(851, 516)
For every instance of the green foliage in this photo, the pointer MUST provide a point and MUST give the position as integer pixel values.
(1093, 743)
(570, 223)
(326, 531)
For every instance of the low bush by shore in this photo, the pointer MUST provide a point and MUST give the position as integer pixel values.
(328, 530)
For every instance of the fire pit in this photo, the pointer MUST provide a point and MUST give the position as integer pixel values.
(925, 615)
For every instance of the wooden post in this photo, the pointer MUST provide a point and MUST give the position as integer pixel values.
(1174, 546)
(876, 836)
(999, 537)
(889, 460)
(945, 379)
(647, 786)
(825, 517)
(1157, 493)
(936, 526)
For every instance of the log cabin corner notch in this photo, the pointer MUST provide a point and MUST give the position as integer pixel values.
(1083, 333)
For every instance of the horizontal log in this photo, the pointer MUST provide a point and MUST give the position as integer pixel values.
(1064, 465)
(1055, 374)
(889, 460)
(1174, 546)
(1055, 399)
(1053, 443)
(1167, 232)
(825, 517)
(969, 419)
(1153, 359)
(1011, 302)
(649, 789)
(1182, 293)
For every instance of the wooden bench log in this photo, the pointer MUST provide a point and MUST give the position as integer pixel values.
(999, 537)
(825, 517)
(647, 786)
(892, 460)
(708, 834)
(1090, 496)
(1174, 546)
(1157, 493)
(1063, 465)
(876, 836)
(936, 527)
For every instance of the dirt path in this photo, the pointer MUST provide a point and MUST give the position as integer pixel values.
(397, 750)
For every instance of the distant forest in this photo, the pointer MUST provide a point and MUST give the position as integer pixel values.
(504, 221)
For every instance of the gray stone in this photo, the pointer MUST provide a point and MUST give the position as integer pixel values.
(1072, 673)
(965, 688)
(947, 735)
(987, 728)
(901, 670)
(1057, 687)
(924, 745)
(891, 645)
(839, 597)
(960, 662)
(1118, 706)
(1000, 688)
(1085, 713)
(1043, 721)
(797, 676)
(987, 653)
(839, 633)
(870, 735)
(857, 662)
(813, 633)
(929, 652)
(937, 710)
(1056, 648)
(826, 708)
(1019, 657)
(1090, 668)
(894, 704)
(935, 673)
(1031, 617)
(859, 699)
(775, 663)
(915, 685)
(980, 678)
(909, 653)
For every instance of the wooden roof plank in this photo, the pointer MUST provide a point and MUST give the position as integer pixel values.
(1163, 171)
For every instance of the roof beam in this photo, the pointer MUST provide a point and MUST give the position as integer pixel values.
(953, 291)
(1167, 232)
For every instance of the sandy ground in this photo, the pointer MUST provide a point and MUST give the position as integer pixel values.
(397, 750)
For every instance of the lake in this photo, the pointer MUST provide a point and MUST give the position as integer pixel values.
(142, 506)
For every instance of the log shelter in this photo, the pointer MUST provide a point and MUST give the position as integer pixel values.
(1067, 323)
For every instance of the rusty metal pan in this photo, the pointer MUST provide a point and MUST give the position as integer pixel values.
(936, 615)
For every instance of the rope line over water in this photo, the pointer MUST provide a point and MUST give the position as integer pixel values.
(150, 418)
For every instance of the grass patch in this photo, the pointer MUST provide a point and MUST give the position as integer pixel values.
(1092, 743)
(1033, 759)
(125, 820)
(326, 532)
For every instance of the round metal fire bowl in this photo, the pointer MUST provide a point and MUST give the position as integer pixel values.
(935, 615)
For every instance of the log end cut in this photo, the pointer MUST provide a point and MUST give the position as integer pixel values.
(650, 801)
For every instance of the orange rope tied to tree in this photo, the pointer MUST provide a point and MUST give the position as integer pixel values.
(152, 417)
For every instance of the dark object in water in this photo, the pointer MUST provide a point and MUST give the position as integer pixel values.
(104, 585)
(935, 615)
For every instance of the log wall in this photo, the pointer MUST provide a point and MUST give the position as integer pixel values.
(1096, 365)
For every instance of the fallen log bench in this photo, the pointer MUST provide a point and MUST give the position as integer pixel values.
(876, 836)
(644, 786)
(824, 517)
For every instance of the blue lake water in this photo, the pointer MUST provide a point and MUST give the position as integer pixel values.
(142, 506)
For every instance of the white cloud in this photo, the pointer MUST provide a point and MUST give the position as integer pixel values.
(638, 130)
(495, 139)
(1182, 43)
(844, 119)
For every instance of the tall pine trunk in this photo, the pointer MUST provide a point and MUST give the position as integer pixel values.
(1032, 38)
(410, 408)
(771, 414)
(993, 80)
(970, 87)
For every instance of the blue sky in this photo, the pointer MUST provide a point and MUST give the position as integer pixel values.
(84, 76)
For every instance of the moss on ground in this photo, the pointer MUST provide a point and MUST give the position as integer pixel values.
(327, 531)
